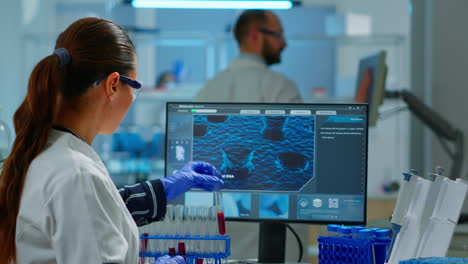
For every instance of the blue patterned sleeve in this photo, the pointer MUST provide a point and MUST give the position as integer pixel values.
(145, 201)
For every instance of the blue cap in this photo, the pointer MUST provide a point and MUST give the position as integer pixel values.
(382, 233)
(357, 228)
(332, 228)
(413, 171)
(345, 230)
(407, 176)
(366, 233)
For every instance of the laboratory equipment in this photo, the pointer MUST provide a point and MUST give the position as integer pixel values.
(345, 231)
(366, 234)
(331, 228)
(278, 162)
(425, 216)
(355, 231)
(439, 125)
(5, 139)
(220, 214)
(371, 89)
(370, 86)
(186, 231)
(366, 248)
(382, 237)
(181, 248)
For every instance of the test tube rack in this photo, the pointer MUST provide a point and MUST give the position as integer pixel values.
(190, 256)
(340, 250)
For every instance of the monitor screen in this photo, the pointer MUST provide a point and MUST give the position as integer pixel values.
(370, 87)
(281, 162)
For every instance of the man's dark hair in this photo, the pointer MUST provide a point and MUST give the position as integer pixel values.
(245, 20)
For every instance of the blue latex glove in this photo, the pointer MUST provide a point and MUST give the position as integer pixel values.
(168, 260)
(193, 175)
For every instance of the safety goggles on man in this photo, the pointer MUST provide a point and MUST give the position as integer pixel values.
(275, 34)
(136, 85)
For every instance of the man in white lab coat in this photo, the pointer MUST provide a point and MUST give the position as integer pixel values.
(248, 78)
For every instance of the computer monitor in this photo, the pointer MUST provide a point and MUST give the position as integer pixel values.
(281, 162)
(370, 87)
(304, 163)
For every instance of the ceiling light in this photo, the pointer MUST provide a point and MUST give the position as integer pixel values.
(207, 4)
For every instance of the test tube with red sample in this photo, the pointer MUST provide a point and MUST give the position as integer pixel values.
(218, 198)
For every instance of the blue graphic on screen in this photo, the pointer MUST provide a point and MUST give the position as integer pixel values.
(346, 119)
(274, 153)
(237, 204)
(274, 206)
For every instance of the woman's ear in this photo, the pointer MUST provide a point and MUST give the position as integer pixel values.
(111, 85)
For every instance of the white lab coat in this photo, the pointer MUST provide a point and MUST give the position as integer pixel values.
(248, 79)
(71, 211)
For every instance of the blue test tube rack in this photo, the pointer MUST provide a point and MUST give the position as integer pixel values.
(191, 257)
(340, 250)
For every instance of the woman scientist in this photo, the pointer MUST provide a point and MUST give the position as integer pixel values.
(57, 201)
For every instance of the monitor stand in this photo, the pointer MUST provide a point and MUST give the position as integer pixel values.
(272, 242)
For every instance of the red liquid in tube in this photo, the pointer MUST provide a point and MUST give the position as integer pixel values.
(172, 252)
(181, 248)
(221, 223)
(144, 243)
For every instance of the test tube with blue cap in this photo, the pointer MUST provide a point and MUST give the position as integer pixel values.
(382, 239)
(382, 235)
(344, 231)
(332, 230)
(355, 231)
(374, 229)
(367, 235)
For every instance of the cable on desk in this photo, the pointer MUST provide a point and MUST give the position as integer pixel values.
(299, 242)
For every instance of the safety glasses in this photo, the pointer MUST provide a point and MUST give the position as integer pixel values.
(136, 85)
(277, 35)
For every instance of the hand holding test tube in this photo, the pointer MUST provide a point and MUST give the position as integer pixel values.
(193, 175)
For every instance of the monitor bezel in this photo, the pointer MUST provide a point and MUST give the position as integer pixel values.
(270, 220)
